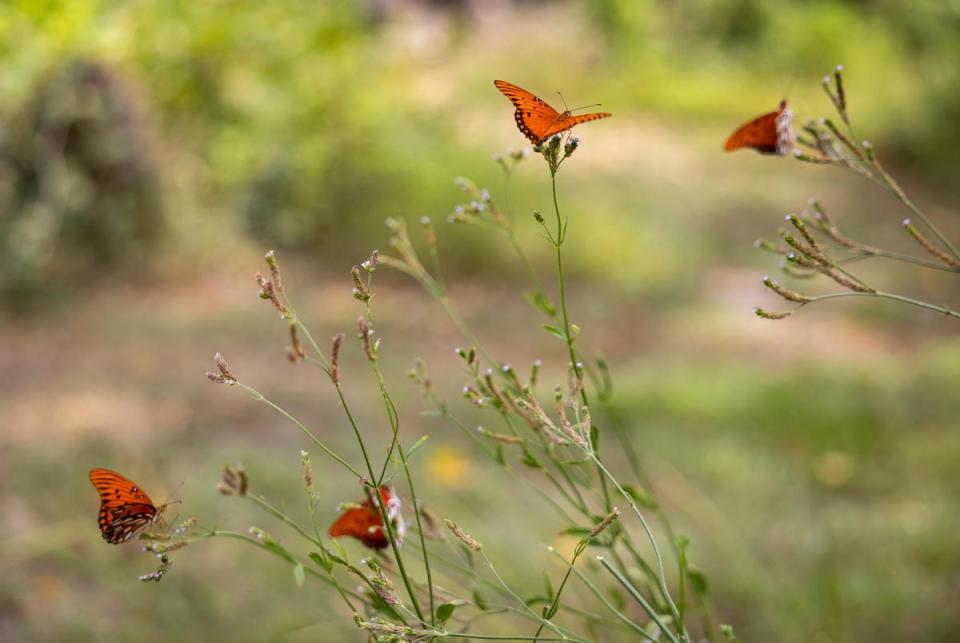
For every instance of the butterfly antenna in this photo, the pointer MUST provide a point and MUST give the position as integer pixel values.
(790, 81)
(172, 494)
(577, 109)
(562, 100)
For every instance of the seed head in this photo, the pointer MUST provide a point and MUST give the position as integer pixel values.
(464, 537)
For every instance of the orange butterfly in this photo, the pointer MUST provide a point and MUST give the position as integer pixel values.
(124, 508)
(363, 521)
(537, 120)
(768, 134)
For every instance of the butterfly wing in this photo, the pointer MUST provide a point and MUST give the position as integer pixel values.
(565, 123)
(771, 133)
(759, 134)
(534, 117)
(362, 523)
(124, 508)
(125, 522)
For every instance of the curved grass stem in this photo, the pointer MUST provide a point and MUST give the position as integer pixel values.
(943, 310)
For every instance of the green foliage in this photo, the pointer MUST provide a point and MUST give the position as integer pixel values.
(304, 124)
(80, 184)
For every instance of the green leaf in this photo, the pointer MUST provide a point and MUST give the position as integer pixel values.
(499, 455)
(278, 549)
(549, 586)
(617, 598)
(479, 600)
(595, 437)
(530, 460)
(727, 631)
(298, 574)
(340, 556)
(545, 305)
(640, 496)
(576, 531)
(697, 580)
(417, 444)
(445, 611)
(553, 330)
(322, 559)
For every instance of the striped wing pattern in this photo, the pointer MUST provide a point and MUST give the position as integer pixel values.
(535, 118)
(124, 508)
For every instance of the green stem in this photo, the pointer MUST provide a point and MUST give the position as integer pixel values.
(577, 369)
(500, 637)
(393, 417)
(944, 310)
(257, 395)
(522, 602)
(388, 525)
(866, 252)
(555, 604)
(603, 599)
(215, 533)
(895, 189)
(276, 513)
(640, 599)
(650, 537)
(366, 458)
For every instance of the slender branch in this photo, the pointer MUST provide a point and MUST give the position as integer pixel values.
(257, 395)
(603, 599)
(639, 598)
(944, 310)
(393, 417)
(536, 616)
(574, 363)
(653, 541)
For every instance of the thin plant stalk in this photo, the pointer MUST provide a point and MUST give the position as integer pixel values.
(650, 537)
(944, 310)
(574, 363)
(393, 417)
(640, 599)
(388, 525)
(542, 620)
(636, 627)
(260, 397)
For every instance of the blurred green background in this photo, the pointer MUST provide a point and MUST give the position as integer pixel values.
(150, 152)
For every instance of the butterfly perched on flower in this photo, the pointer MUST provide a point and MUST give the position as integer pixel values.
(537, 120)
(363, 521)
(771, 133)
(124, 508)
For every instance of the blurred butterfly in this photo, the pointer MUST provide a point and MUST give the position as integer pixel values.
(363, 521)
(124, 508)
(771, 133)
(537, 120)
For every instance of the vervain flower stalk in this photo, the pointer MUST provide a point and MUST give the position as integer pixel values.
(822, 248)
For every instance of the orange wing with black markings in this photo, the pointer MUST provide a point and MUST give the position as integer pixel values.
(536, 119)
(125, 509)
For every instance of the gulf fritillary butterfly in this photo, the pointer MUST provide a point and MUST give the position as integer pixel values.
(537, 120)
(363, 522)
(771, 133)
(124, 508)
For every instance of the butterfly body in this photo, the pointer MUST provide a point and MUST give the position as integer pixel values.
(364, 523)
(771, 133)
(536, 119)
(125, 509)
